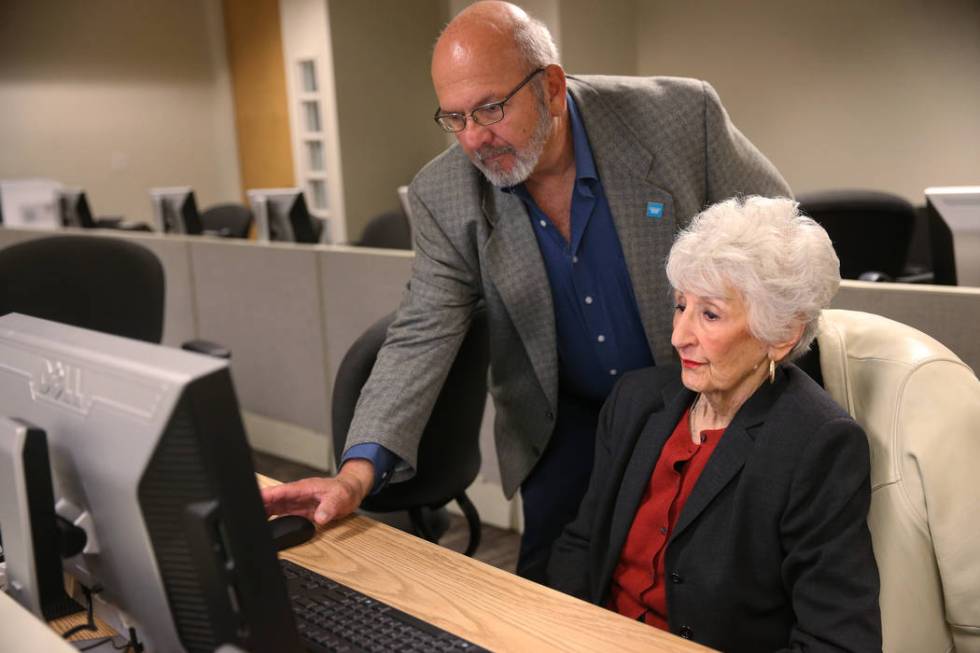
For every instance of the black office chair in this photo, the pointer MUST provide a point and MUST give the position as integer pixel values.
(229, 220)
(449, 453)
(871, 232)
(389, 230)
(105, 284)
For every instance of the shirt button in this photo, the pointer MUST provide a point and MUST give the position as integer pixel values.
(613, 372)
(574, 259)
(676, 578)
(601, 338)
(588, 299)
(663, 530)
(543, 223)
(549, 415)
(686, 632)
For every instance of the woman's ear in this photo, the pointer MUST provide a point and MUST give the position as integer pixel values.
(779, 351)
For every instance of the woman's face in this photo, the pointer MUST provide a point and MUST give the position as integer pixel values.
(719, 355)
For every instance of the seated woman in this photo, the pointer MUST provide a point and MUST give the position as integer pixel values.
(728, 498)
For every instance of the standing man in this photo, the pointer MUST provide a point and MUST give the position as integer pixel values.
(556, 209)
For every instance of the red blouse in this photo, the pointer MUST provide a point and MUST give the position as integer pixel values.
(638, 588)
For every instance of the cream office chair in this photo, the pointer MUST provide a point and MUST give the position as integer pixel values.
(920, 406)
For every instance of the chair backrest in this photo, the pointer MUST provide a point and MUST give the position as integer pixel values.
(449, 452)
(106, 284)
(920, 406)
(389, 230)
(871, 231)
(230, 220)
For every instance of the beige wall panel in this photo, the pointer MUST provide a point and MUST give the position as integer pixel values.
(385, 102)
(598, 36)
(259, 85)
(117, 97)
(880, 94)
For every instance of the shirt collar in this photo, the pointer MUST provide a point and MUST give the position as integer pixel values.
(584, 163)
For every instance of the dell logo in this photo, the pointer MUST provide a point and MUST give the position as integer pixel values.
(62, 383)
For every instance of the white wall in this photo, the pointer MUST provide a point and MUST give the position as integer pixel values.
(116, 97)
(881, 94)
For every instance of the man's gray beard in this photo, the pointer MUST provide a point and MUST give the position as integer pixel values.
(525, 161)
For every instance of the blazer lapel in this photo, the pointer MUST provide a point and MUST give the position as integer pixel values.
(515, 267)
(627, 172)
(636, 476)
(729, 457)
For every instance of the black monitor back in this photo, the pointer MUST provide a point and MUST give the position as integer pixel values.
(75, 211)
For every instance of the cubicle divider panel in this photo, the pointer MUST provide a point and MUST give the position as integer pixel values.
(948, 314)
(262, 301)
(359, 286)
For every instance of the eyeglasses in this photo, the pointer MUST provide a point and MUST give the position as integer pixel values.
(485, 114)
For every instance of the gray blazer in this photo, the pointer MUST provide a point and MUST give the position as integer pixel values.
(658, 139)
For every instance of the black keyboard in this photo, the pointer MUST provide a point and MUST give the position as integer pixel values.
(333, 617)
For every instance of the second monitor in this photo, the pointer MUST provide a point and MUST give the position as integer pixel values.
(175, 210)
(281, 215)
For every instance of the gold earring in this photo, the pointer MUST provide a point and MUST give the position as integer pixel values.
(772, 371)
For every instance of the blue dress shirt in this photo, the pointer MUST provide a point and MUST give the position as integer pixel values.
(599, 332)
(597, 322)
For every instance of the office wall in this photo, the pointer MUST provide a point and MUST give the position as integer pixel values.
(381, 52)
(259, 86)
(880, 94)
(116, 97)
(598, 36)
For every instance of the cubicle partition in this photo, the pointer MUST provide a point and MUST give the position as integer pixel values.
(289, 313)
(947, 313)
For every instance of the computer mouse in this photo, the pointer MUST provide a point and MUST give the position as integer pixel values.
(290, 530)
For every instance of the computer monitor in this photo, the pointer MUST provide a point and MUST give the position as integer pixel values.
(148, 456)
(74, 209)
(30, 203)
(954, 233)
(29, 525)
(281, 215)
(175, 210)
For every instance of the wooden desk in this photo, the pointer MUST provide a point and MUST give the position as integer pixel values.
(490, 607)
(21, 631)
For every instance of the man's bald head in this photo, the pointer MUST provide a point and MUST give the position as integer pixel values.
(494, 33)
(487, 55)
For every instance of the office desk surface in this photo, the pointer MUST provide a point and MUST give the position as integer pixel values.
(20, 630)
(490, 607)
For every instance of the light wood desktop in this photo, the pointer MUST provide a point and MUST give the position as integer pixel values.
(488, 606)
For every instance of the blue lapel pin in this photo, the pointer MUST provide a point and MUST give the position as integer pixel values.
(655, 210)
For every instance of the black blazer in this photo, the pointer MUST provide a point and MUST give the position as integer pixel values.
(772, 550)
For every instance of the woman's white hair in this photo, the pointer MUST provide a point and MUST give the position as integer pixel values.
(781, 262)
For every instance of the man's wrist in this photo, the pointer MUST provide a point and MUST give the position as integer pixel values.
(360, 473)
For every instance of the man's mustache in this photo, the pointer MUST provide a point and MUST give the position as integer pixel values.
(489, 152)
